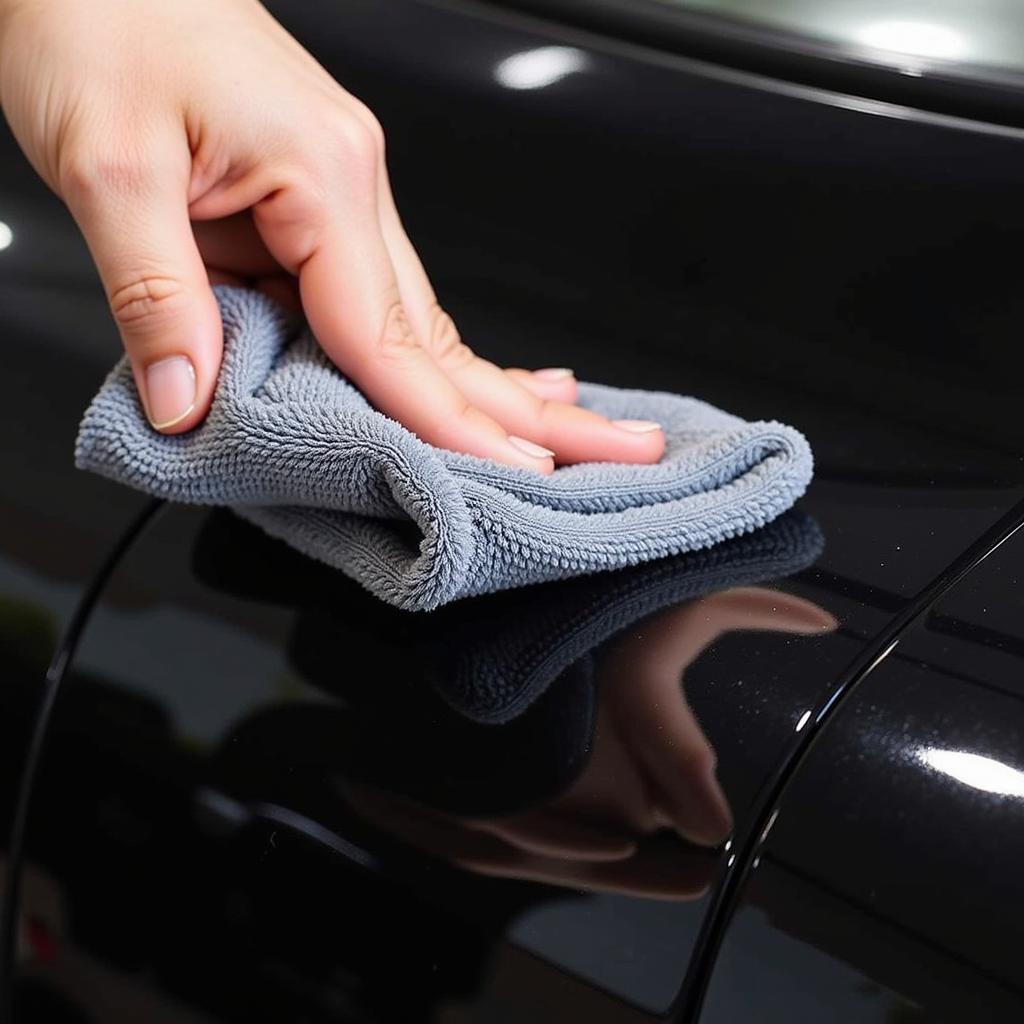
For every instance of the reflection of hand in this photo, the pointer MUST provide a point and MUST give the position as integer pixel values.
(651, 768)
(653, 868)
(196, 141)
(652, 765)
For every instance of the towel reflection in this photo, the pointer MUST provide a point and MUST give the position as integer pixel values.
(542, 735)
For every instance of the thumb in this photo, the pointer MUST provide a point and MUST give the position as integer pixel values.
(136, 224)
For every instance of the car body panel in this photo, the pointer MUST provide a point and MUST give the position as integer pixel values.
(863, 871)
(790, 251)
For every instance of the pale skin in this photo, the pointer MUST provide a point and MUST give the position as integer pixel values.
(196, 143)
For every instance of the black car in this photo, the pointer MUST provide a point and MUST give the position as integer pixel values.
(252, 793)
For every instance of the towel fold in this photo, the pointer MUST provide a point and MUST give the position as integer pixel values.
(295, 448)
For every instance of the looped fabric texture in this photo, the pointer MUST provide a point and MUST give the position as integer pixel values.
(291, 445)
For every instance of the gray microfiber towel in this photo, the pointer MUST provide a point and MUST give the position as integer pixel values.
(294, 447)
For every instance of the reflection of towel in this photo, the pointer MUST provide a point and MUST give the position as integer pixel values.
(486, 705)
(294, 447)
(495, 675)
(492, 657)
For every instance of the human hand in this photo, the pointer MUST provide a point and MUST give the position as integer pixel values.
(197, 142)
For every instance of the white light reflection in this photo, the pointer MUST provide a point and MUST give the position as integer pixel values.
(975, 771)
(535, 69)
(6, 236)
(768, 827)
(921, 38)
(803, 720)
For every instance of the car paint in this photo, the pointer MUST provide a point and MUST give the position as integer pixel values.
(830, 259)
(893, 858)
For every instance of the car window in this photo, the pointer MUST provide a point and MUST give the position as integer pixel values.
(987, 32)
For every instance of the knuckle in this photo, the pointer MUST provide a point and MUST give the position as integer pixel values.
(397, 340)
(445, 343)
(356, 144)
(148, 300)
(372, 126)
(88, 173)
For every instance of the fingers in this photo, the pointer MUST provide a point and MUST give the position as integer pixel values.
(554, 383)
(364, 328)
(354, 308)
(572, 433)
(133, 214)
(234, 253)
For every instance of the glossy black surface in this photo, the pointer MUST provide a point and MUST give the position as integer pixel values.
(289, 723)
(890, 887)
(763, 43)
(827, 260)
(660, 224)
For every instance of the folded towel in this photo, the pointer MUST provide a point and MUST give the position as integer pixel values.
(294, 447)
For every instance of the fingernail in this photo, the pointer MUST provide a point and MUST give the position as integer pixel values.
(170, 391)
(529, 448)
(553, 373)
(637, 426)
